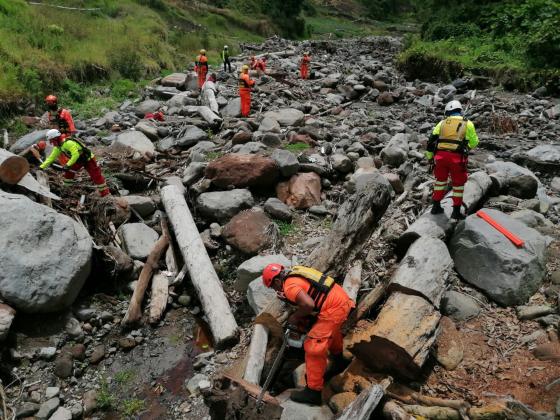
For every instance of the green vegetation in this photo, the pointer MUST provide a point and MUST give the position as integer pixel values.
(296, 147)
(285, 228)
(105, 399)
(124, 377)
(210, 156)
(132, 406)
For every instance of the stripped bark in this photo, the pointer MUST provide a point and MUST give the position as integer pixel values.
(256, 355)
(353, 280)
(362, 407)
(160, 293)
(43, 179)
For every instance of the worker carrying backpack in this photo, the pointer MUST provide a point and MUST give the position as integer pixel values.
(320, 283)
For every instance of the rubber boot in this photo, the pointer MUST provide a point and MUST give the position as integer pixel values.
(436, 208)
(307, 396)
(337, 366)
(457, 213)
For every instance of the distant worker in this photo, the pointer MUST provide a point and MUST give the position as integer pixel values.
(450, 142)
(225, 59)
(209, 90)
(304, 66)
(59, 118)
(79, 156)
(313, 292)
(201, 67)
(245, 86)
(35, 152)
(258, 64)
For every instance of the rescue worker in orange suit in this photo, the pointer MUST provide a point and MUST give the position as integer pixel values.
(59, 118)
(449, 146)
(79, 156)
(245, 86)
(201, 67)
(304, 66)
(258, 64)
(313, 292)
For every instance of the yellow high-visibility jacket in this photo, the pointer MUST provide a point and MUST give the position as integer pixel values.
(469, 134)
(71, 148)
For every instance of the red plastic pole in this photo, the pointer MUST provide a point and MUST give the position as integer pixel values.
(514, 239)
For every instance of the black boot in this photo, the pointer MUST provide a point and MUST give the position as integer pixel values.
(307, 396)
(436, 208)
(337, 366)
(457, 213)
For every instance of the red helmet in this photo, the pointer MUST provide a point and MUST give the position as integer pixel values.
(41, 145)
(51, 100)
(270, 272)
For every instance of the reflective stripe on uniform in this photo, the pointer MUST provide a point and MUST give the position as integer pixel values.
(440, 185)
(458, 191)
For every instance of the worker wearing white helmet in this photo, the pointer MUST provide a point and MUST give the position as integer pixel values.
(449, 146)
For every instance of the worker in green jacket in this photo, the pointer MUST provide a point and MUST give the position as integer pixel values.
(225, 59)
(79, 156)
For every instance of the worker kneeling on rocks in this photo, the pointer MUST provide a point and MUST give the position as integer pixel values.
(449, 147)
(79, 156)
(313, 293)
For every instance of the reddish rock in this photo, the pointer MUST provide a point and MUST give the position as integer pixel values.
(249, 231)
(241, 137)
(301, 191)
(547, 351)
(301, 138)
(385, 99)
(242, 171)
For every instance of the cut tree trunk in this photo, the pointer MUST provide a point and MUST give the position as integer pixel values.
(364, 306)
(160, 293)
(201, 270)
(134, 312)
(256, 355)
(393, 411)
(43, 179)
(362, 407)
(424, 270)
(356, 220)
(13, 169)
(353, 280)
(399, 340)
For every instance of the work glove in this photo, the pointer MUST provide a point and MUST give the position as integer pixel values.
(429, 155)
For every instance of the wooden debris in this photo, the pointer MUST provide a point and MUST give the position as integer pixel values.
(353, 280)
(13, 169)
(393, 411)
(200, 267)
(367, 401)
(252, 389)
(160, 293)
(256, 354)
(43, 179)
(364, 306)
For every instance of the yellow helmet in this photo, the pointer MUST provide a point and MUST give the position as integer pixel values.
(203, 52)
(245, 68)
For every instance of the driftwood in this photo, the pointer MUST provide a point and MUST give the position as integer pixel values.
(43, 179)
(353, 280)
(393, 411)
(423, 271)
(399, 340)
(252, 389)
(362, 407)
(257, 354)
(160, 293)
(134, 312)
(364, 306)
(434, 413)
(201, 270)
(356, 220)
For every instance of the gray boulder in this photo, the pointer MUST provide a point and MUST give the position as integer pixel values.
(180, 100)
(258, 295)
(278, 209)
(544, 157)
(223, 205)
(176, 80)
(146, 107)
(232, 109)
(148, 128)
(138, 239)
(287, 162)
(297, 411)
(45, 260)
(286, 117)
(61, 413)
(134, 140)
(523, 186)
(269, 124)
(252, 268)
(459, 306)
(144, 206)
(531, 218)
(29, 139)
(396, 151)
(193, 172)
(487, 259)
(47, 408)
(341, 163)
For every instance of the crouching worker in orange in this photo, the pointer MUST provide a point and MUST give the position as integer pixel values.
(304, 66)
(245, 85)
(313, 292)
(79, 156)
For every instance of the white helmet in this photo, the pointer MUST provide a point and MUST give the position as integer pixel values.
(453, 106)
(225, 47)
(53, 134)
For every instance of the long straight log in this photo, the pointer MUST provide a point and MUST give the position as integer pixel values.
(134, 312)
(256, 355)
(204, 278)
(364, 306)
(160, 293)
(362, 407)
(353, 280)
(356, 220)
(393, 411)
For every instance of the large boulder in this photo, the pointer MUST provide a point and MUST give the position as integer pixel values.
(134, 140)
(45, 256)
(396, 151)
(545, 157)
(269, 124)
(249, 231)
(29, 139)
(242, 171)
(147, 107)
(459, 306)
(301, 191)
(138, 239)
(223, 205)
(286, 117)
(252, 268)
(485, 258)
(176, 80)
(286, 161)
(191, 136)
(277, 209)
(258, 295)
(148, 128)
(232, 109)
(142, 205)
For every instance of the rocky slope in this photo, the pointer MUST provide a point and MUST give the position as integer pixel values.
(269, 188)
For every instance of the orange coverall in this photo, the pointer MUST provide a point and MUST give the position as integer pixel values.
(245, 85)
(304, 68)
(63, 121)
(325, 335)
(201, 69)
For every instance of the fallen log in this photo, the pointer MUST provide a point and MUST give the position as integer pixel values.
(393, 411)
(13, 169)
(362, 407)
(43, 179)
(256, 355)
(424, 270)
(134, 312)
(364, 306)
(252, 389)
(353, 280)
(208, 116)
(399, 340)
(200, 268)
(356, 220)
(160, 293)
(433, 413)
